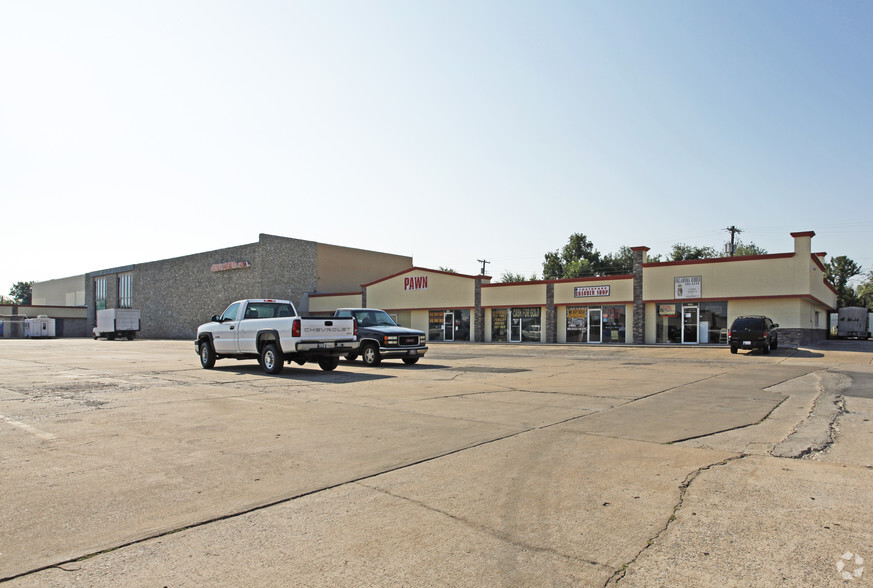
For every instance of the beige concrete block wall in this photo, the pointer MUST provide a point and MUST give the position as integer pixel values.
(60, 292)
(344, 269)
(328, 304)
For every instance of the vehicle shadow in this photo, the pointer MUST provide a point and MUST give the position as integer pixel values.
(307, 374)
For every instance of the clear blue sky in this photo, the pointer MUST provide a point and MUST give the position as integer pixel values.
(447, 130)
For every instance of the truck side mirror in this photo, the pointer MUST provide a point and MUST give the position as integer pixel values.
(215, 318)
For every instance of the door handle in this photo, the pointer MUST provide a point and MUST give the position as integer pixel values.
(231, 327)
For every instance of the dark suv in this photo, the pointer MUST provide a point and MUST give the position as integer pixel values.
(753, 332)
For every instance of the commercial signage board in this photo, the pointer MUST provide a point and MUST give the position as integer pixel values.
(585, 291)
(415, 283)
(230, 265)
(687, 287)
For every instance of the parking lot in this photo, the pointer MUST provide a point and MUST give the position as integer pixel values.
(125, 463)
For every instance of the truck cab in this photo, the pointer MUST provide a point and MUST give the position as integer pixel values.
(380, 337)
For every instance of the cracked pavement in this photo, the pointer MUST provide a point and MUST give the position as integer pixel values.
(487, 465)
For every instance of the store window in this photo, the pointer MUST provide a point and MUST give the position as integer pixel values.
(436, 318)
(713, 322)
(525, 324)
(577, 324)
(499, 320)
(449, 325)
(669, 323)
(614, 324)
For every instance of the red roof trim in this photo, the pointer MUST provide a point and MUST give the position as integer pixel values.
(803, 234)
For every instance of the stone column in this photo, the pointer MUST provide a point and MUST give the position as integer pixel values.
(551, 314)
(639, 317)
(478, 313)
(364, 297)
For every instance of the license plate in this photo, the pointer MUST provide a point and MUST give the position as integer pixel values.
(747, 342)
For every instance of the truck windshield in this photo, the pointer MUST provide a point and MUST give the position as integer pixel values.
(374, 318)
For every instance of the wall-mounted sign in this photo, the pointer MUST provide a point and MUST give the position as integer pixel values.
(415, 283)
(667, 310)
(687, 287)
(230, 265)
(585, 291)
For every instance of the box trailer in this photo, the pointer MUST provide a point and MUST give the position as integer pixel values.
(117, 322)
(853, 322)
(41, 326)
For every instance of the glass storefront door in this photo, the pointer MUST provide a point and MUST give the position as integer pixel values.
(690, 324)
(595, 323)
(449, 327)
(514, 328)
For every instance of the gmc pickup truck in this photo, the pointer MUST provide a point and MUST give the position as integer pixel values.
(380, 337)
(271, 332)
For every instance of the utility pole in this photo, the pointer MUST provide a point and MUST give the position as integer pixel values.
(733, 231)
(483, 262)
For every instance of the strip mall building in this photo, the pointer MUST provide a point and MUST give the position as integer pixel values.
(689, 302)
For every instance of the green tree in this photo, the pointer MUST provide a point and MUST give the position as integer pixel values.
(864, 291)
(683, 252)
(576, 259)
(838, 271)
(507, 277)
(22, 292)
(750, 249)
(448, 270)
(620, 263)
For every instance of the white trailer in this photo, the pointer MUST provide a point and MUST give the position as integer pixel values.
(41, 326)
(853, 322)
(117, 322)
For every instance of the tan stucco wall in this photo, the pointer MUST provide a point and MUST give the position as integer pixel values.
(343, 269)
(620, 290)
(444, 291)
(518, 295)
(61, 292)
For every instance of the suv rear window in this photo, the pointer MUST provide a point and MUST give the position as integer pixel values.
(748, 323)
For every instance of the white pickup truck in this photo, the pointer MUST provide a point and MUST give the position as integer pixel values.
(271, 332)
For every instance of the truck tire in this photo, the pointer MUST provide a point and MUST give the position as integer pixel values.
(370, 355)
(765, 349)
(328, 364)
(351, 356)
(733, 348)
(207, 355)
(271, 359)
(410, 360)
(775, 345)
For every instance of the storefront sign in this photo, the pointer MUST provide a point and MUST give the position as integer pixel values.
(667, 310)
(415, 283)
(687, 287)
(526, 312)
(585, 291)
(230, 265)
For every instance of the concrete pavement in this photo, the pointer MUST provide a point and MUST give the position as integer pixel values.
(482, 465)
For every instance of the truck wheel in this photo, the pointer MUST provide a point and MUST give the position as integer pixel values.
(410, 360)
(733, 348)
(207, 355)
(351, 356)
(775, 345)
(271, 359)
(765, 349)
(371, 356)
(328, 364)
